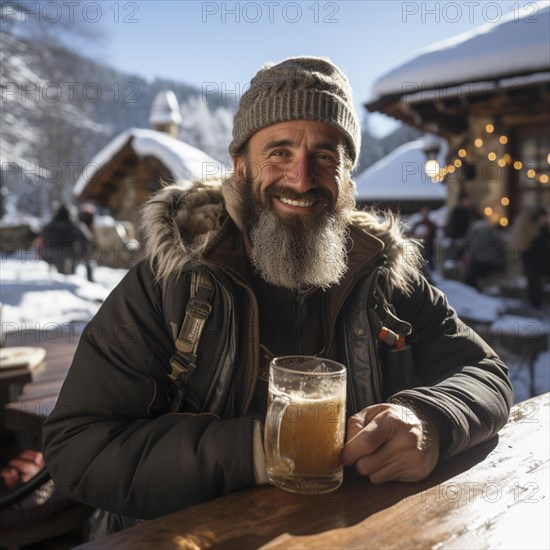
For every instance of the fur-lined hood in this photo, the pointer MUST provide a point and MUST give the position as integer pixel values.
(180, 221)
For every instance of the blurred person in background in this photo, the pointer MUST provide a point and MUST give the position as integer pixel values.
(425, 230)
(483, 251)
(86, 226)
(457, 226)
(535, 258)
(62, 243)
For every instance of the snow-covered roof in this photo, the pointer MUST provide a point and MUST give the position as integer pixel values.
(165, 109)
(517, 44)
(181, 159)
(401, 176)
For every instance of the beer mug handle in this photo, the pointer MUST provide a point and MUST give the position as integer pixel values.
(272, 433)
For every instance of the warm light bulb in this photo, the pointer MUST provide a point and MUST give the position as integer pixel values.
(501, 162)
(488, 211)
(457, 163)
(507, 157)
(503, 140)
(505, 201)
(543, 178)
(518, 165)
(462, 153)
(492, 156)
(489, 128)
(478, 142)
(431, 168)
(531, 173)
(503, 222)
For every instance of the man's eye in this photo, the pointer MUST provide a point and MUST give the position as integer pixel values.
(279, 154)
(325, 158)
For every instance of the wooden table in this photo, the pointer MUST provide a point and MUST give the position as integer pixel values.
(493, 496)
(24, 416)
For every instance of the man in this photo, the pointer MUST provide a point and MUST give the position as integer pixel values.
(62, 243)
(535, 258)
(295, 270)
(425, 230)
(460, 218)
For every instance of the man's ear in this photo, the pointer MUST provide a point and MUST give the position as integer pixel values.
(239, 169)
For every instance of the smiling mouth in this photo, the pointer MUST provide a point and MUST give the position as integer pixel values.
(298, 203)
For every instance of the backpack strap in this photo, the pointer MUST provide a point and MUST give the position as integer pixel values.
(183, 362)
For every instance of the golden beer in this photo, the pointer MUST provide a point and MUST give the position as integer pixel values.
(305, 430)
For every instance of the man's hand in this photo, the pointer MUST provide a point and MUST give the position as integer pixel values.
(21, 469)
(390, 442)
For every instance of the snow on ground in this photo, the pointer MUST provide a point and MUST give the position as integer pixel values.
(468, 302)
(33, 295)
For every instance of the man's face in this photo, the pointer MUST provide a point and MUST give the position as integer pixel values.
(296, 195)
(296, 168)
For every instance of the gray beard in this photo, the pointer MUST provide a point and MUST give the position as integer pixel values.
(306, 254)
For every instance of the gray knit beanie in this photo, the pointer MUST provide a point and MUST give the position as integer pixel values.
(298, 88)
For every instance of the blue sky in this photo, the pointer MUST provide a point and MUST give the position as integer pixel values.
(222, 44)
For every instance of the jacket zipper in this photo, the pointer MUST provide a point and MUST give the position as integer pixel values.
(299, 304)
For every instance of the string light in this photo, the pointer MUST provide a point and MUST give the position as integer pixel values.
(438, 176)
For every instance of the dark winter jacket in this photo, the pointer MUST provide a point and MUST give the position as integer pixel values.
(110, 442)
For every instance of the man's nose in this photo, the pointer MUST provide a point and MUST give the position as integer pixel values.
(300, 174)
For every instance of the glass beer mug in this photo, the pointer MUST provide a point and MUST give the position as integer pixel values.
(305, 424)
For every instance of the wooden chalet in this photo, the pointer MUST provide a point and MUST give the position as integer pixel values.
(488, 93)
(135, 164)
